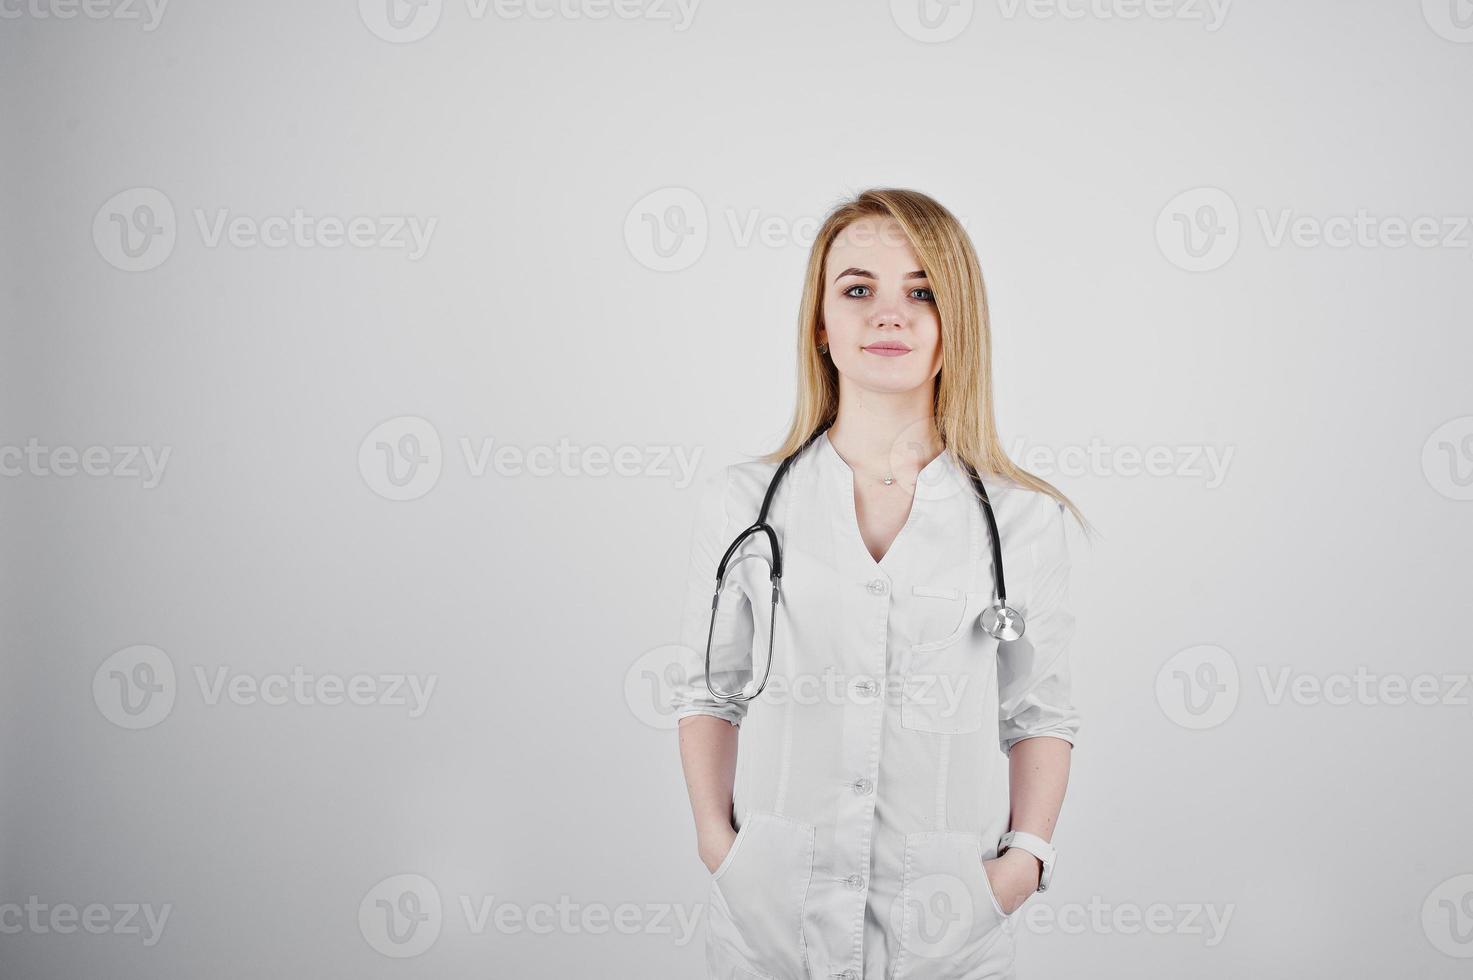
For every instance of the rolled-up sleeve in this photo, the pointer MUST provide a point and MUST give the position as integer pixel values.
(1034, 687)
(710, 537)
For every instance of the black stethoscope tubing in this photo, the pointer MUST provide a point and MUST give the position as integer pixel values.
(1000, 620)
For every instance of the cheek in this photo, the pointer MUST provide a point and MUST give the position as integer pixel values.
(931, 331)
(836, 318)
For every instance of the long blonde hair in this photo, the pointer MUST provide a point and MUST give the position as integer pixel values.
(963, 404)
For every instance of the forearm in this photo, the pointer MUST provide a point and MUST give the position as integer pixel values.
(1038, 773)
(708, 752)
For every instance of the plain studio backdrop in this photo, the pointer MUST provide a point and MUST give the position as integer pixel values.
(361, 366)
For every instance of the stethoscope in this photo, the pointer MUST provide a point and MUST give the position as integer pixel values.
(1000, 620)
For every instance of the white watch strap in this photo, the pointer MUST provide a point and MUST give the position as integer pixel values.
(1035, 845)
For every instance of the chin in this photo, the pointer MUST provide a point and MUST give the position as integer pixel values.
(890, 384)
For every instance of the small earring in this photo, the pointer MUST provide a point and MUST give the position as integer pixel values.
(823, 348)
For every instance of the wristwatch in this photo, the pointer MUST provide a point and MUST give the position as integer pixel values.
(1034, 845)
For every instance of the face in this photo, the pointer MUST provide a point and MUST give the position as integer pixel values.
(879, 317)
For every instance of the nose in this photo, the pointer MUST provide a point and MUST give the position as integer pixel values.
(889, 313)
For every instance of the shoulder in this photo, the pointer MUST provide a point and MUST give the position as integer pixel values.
(735, 489)
(1026, 510)
(1031, 523)
(747, 480)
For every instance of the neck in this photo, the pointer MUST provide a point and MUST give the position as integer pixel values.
(886, 433)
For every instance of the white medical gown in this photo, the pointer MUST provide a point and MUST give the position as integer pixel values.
(872, 772)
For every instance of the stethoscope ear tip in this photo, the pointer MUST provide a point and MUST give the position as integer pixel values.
(1002, 622)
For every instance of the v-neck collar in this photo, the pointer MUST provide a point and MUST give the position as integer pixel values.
(844, 483)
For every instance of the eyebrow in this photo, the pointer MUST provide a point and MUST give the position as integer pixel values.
(853, 271)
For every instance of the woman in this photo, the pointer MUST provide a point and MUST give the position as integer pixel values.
(859, 832)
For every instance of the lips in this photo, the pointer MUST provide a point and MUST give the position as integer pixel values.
(887, 348)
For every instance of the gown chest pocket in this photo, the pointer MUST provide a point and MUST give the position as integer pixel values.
(936, 613)
(946, 671)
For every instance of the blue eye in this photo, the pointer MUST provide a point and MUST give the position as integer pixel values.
(928, 296)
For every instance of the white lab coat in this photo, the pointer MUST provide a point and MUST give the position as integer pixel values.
(872, 773)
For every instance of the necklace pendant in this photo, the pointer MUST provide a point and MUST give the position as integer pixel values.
(888, 480)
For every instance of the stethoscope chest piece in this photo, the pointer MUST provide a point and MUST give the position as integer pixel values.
(1002, 621)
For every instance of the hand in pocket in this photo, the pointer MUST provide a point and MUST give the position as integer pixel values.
(1012, 878)
(715, 845)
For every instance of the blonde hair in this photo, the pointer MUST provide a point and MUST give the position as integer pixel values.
(963, 403)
